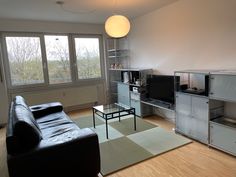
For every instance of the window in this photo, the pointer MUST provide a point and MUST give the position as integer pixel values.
(25, 60)
(88, 57)
(57, 51)
(34, 59)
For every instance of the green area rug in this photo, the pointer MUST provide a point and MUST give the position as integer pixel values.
(126, 147)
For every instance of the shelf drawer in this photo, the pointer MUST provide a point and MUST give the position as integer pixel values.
(223, 137)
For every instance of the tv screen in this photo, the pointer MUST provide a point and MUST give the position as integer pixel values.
(161, 87)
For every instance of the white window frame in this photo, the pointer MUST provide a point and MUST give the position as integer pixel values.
(75, 81)
(70, 59)
(101, 53)
(7, 64)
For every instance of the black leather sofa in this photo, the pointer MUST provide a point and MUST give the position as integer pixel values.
(42, 141)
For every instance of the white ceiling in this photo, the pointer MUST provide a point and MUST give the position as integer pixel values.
(83, 11)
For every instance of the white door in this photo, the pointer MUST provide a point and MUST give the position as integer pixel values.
(3, 93)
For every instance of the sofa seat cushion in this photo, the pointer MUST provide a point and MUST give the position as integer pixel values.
(56, 124)
(60, 138)
(58, 130)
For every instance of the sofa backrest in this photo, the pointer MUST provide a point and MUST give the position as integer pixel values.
(23, 132)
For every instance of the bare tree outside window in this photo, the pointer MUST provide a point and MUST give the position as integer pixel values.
(25, 60)
(57, 51)
(88, 58)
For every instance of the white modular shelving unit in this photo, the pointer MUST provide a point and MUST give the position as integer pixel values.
(117, 59)
(121, 89)
(206, 117)
(223, 122)
(192, 110)
(130, 93)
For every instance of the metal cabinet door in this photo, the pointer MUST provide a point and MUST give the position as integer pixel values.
(183, 104)
(200, 108)
(123, 100)
(183, 113)
(223, 87)
(123, 94)
(137, 105)
(223, 137)
(183, 124)
(200, 117)
(199, 130)
(123, 89)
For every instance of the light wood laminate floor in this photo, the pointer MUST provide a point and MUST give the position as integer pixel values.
(192, 160)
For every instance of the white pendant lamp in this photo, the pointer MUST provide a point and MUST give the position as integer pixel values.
(117, 26)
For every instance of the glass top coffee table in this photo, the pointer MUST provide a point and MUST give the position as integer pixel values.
(113, 111)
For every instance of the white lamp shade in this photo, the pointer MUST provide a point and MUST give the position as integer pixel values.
(117, 26)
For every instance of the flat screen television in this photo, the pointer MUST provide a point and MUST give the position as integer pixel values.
(161, 88)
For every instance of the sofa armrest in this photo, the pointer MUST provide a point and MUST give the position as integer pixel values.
(45, 109)
(79, 156)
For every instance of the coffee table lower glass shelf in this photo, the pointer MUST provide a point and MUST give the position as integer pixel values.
(113, 111)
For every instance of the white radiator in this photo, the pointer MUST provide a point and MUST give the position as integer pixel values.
(67, 96)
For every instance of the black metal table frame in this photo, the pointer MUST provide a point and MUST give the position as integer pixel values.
(112, 115)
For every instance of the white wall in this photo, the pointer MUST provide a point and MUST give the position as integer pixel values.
(3, 93)
(44, 26)
(188, 34)
(71, 97)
